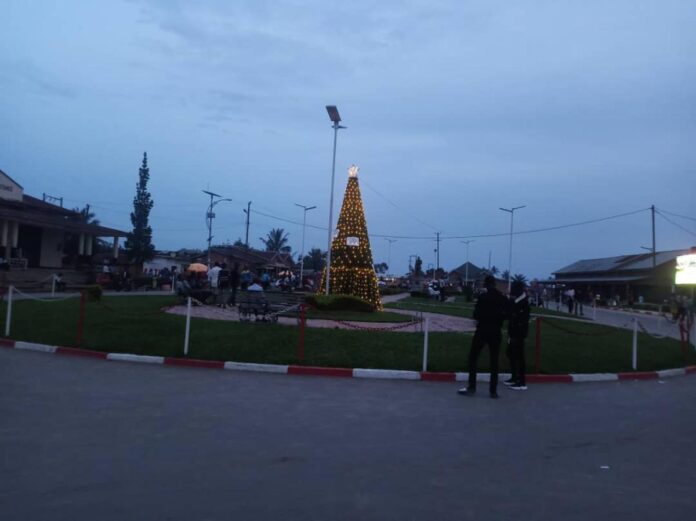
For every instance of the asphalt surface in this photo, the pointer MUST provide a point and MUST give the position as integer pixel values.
(85, 439)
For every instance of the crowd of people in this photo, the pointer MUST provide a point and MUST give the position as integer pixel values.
(224, 282)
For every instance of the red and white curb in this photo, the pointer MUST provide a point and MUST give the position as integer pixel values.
(383, 374)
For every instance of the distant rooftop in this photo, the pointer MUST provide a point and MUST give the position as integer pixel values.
(622, 263)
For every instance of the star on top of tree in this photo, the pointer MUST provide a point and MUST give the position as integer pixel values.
(353, 171)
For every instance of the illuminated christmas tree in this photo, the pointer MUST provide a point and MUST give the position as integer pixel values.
(352, 271)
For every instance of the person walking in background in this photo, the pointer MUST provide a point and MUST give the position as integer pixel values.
(570, 295)
(223, 286)
(518, 328)
(234, 283)
(245, 278)
(213, 275)
(489, 313)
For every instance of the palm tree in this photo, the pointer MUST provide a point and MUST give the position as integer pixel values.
(276, 240)
(493, 270)
(86, 216)
(315, 259)
(519, 278)
(505, 275)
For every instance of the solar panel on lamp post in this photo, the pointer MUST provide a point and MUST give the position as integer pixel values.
(210, 216)
(511, 211)
(336, 119)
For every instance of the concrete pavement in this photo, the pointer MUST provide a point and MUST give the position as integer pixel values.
(81, 439)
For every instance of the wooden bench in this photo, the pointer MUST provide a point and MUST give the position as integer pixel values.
(267, 306)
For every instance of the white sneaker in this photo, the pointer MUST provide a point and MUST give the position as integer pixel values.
(518, 387)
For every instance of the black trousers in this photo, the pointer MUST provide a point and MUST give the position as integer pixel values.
(492, 340)
(517, 362)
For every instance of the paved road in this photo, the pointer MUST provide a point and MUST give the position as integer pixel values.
(84, 439)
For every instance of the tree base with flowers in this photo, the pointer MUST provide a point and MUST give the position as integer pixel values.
(352, 270)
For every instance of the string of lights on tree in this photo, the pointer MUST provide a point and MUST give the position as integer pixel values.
(352, 271)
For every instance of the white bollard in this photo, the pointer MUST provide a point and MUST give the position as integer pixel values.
(188, 326)
(425, 345)
(53, 285)
(8, 317)
(634, 358)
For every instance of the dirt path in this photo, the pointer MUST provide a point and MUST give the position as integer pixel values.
(437, 322)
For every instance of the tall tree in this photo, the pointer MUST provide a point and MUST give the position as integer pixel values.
(315, 259)
(381, 267)
(519, 277)
(86, 215)
(139, 243)
(276, 240)
(418, 268)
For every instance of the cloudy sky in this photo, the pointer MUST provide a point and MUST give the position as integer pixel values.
(578, 110)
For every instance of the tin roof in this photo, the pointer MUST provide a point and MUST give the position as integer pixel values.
(622, 263)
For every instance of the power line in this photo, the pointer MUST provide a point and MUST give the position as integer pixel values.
(551, 228)
(675, 224)
(409, 214)
(504, 234)
(677, 215)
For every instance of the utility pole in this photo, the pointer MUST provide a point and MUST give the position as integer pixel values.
(209, 216)
(437, 251)
(652, 209)
(489, 260)
(248, 213)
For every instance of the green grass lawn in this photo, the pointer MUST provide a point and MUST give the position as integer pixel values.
(136, 325)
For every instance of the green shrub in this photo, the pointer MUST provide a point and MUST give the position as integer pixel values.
(390, 291)
(420, 294)
(339, 303)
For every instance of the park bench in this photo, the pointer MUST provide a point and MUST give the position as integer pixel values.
(267, 306)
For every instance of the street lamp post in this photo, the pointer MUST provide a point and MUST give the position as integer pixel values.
(304, 223)
(511, 211)
(336, 119)
(466, 266)
(210, 216)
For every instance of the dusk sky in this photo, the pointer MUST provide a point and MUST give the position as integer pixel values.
(578, 110)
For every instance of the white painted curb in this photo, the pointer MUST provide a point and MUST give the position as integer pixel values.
(386, 374)
(262, 368)
(30, 346)
(125, 357)
(594, 377)
(666, 373)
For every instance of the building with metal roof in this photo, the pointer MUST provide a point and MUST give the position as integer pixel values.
(37, 234)
(627, 276)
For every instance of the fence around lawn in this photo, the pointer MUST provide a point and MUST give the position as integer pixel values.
(143, 325)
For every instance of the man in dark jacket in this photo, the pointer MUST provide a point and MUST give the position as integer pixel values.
(489, 313)
(518, 327)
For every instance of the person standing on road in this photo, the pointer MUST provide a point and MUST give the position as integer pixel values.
(518, 328)
(489, 313)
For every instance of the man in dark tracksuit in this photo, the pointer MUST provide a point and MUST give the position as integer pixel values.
(489, 313)
(518, 327)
